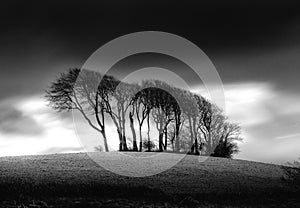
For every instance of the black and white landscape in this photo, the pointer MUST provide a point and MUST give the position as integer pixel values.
(200, 107)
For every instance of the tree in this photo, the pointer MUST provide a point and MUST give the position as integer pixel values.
(134, 88)
(163, 106)
(178, 118)
(191, 112)
(121, 102)
(205, 123)
(85, 91)
(162, 114)
(218, 133)
(149, 101)
(142, 110)
(131, 114)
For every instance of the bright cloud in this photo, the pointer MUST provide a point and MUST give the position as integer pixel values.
(57, 136)
(246, 103)
(288, 136)
(268, 117)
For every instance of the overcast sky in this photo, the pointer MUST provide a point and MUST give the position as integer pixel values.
(254, 45)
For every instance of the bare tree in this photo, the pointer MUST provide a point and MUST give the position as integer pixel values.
(131, 114)
(218, 133)
(120, 103)
(162, 114)
(142, 110)
(85, 91)
(125, 101)
(191, 112)
(178, 116)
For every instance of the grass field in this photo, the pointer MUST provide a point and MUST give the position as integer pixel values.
(74, 180)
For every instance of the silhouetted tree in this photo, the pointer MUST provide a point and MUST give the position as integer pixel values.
(132, 111)
(121, 102)
(131, 120)
(85, 91)
(219, 134)
(162, 114)
(142, 109)
(191, 112)
(178, 118)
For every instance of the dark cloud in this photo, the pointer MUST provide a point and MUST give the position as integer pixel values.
(143, 60)
(14, 121)
(211, 24)
(280, 67)
(41, 39)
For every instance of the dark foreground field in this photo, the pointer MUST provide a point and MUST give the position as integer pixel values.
(74, 180)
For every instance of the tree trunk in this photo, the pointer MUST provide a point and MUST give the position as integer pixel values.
(177, 128)
(195, 134)
(105, 141)
(160, 137)
(192, 136)
(135, 148)
(176, 143)
(103, 131)
(120, 140)
(141, 139)
(196, 146)
(125, 148)
(209, 144)
(148, 133)
(160, 140)
(166, 138)
(177, 148)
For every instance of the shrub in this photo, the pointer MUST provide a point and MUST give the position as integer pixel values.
(225, 148)
(147, 144)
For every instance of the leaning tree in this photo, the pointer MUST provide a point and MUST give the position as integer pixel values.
(87, 92)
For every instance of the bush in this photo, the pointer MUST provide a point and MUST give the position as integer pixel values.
(225, 148)
(147, 144)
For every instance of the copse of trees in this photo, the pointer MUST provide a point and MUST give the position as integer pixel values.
(185, 121)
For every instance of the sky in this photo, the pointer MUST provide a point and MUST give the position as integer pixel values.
(254, 45)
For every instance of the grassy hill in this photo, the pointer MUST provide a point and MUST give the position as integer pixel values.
(64, 180)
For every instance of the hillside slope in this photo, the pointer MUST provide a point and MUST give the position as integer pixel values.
(77, 175)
